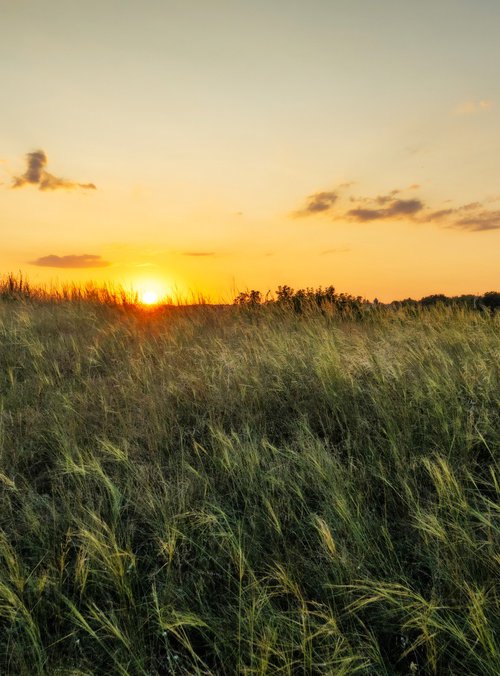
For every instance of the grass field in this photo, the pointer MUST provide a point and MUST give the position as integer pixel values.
(248, 491)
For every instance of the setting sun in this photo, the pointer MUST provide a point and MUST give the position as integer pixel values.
(149, 297)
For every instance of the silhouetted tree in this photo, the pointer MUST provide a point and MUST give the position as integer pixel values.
(252, 297)
(284, 294)
(428, 301)
(491, 300)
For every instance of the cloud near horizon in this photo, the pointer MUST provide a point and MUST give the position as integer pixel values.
(36, 174)
(71, 261)
(198, 253)
(394, 206)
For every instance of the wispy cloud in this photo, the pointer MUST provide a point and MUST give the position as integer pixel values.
(319, 202)
(71, 261)
(472, 216)
(396, 206)
(482, 220)
(198, 253)
(36, 174)
(472, 107)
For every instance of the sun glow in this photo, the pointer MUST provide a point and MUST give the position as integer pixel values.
(150, 291)
(149, 297)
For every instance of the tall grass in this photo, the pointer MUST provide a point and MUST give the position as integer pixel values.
(233, 490)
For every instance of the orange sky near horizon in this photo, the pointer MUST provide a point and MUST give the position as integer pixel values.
(186, 147)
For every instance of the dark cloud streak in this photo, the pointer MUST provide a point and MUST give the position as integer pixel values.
(483, 220)
(71, 261)
(318, 203)
(472, 216)
(396, 209)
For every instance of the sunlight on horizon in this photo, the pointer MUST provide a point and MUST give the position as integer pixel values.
(150, 291)
(149, 297)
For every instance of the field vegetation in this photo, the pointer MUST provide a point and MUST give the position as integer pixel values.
(247, 489)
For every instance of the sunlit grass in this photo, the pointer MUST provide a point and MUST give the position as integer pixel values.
(247, 491)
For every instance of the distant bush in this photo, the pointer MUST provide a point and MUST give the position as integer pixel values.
(248, 298)
(301, 299)
(491, 300)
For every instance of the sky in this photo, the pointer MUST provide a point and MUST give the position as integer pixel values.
(215, 146)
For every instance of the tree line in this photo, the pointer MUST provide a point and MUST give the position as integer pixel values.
(321, 297)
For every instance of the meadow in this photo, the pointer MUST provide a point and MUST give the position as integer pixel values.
(247, 490)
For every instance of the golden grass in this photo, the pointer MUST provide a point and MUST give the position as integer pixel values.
(232, 490)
